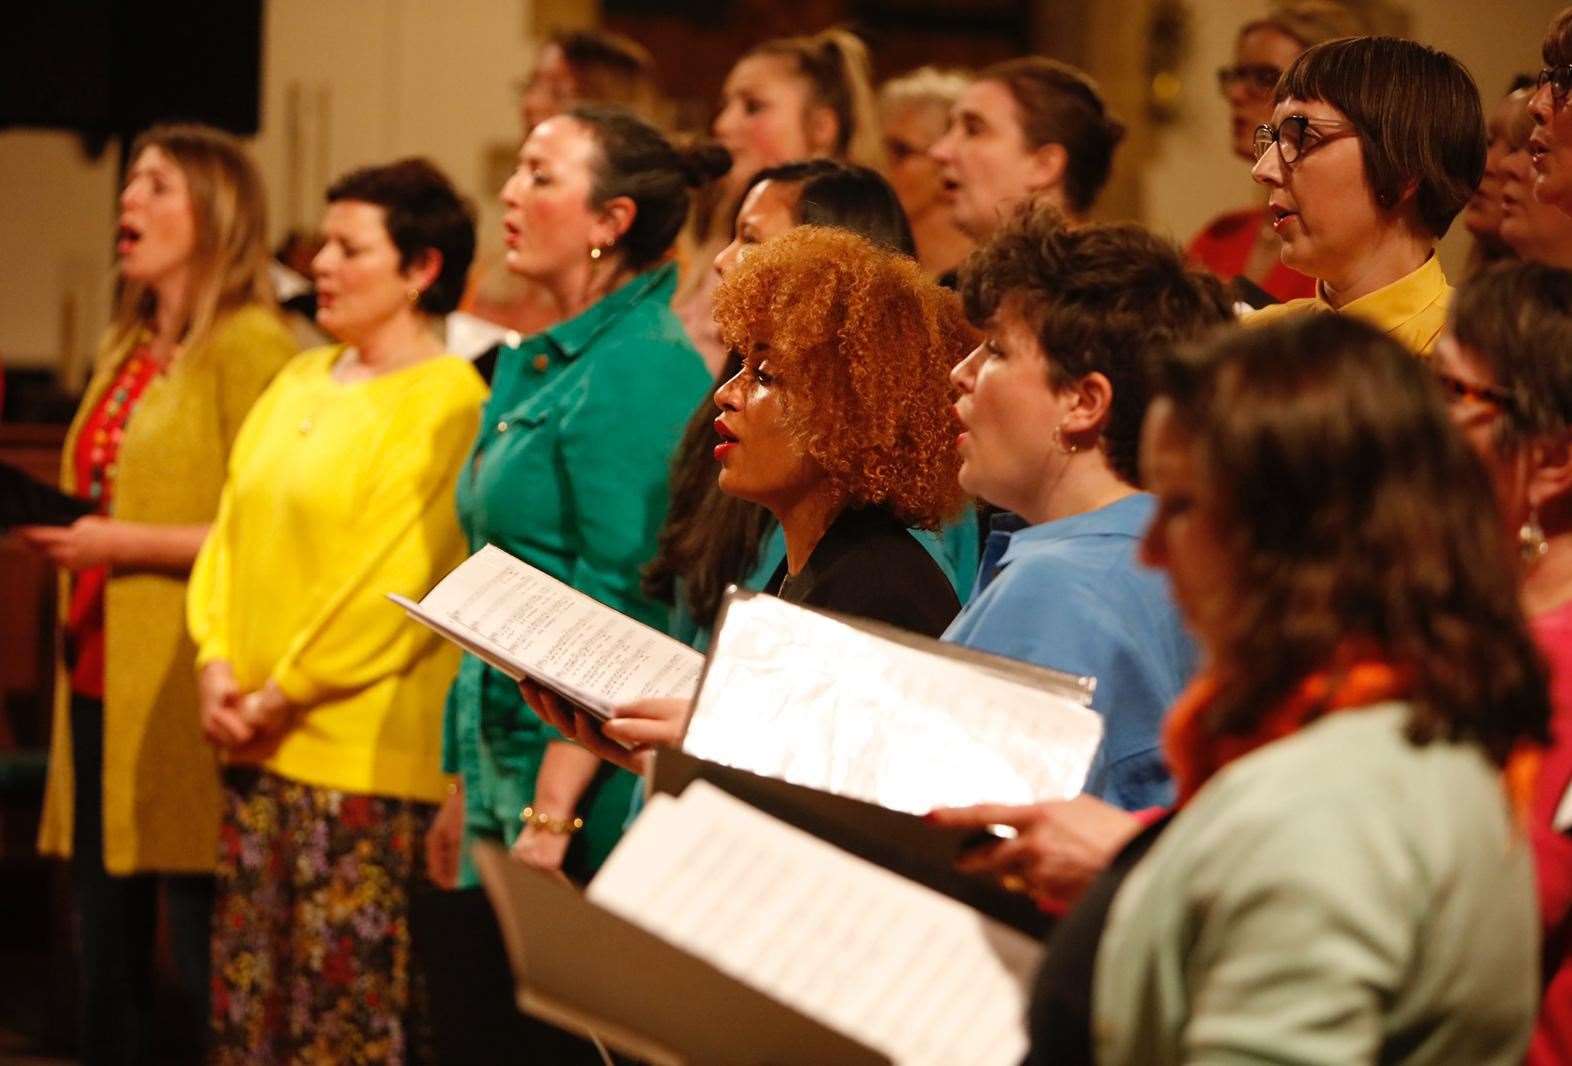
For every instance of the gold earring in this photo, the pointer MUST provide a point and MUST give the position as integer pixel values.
(1058, 438)
(414, 295)
(1531, 539)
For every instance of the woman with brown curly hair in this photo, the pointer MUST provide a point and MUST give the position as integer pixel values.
(839, 423)
(1342, 880)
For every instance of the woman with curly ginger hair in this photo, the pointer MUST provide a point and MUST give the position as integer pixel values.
(840, 423)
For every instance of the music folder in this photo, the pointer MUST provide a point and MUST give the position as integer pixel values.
(586, 970)
(860, 871)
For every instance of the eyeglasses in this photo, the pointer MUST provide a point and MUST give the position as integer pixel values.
(1560, 81)
(1457, 390)
(1257, 79)
(1295, 136)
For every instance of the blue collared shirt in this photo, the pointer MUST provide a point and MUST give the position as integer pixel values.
(1071, 595)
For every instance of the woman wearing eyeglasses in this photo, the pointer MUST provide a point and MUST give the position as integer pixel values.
(1551, 145)
(1360, 200)
(1242, 244)
(1505, 366)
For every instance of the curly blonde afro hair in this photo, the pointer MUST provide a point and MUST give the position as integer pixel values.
(864, 343)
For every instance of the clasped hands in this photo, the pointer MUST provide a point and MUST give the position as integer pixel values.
(232, 719)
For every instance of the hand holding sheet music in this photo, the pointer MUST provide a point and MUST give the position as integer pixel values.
(526, 623)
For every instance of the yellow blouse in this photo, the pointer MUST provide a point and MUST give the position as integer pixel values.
(1411, 310)
(337, 495)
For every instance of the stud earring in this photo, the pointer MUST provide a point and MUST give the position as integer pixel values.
(595, 253)
(414, 295)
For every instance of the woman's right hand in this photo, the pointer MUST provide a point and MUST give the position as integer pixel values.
(445, 838)
(581, 728)
(218, 701)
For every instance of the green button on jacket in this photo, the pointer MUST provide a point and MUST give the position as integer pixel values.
(569, 474)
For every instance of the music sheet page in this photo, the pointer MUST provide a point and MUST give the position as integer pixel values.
(536, 625)
(895, 965)
(797, 695)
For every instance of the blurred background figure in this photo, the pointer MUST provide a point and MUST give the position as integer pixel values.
(327, 704)
(790, 98)
(1505, 368)
(1029, 128)
(133, 792)
(1482, 215)
(1528, 227)
(590, 67)
(914, 110)
(573, 67)
(1242, 244)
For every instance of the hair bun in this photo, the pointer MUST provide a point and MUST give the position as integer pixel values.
(703, 162)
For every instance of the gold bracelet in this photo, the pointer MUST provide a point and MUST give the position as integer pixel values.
(542, 820)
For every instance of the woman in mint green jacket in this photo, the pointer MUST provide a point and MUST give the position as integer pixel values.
(569, 470)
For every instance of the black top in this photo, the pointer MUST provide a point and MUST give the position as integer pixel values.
(869, 565)
(1060, 1020)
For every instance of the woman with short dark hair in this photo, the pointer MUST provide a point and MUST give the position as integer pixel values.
(1375, 145)
(1343, 879)
(325, 701)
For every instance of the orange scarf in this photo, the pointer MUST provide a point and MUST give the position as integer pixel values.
(1195, 752)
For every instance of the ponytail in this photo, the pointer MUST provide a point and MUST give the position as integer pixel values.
(836, 65)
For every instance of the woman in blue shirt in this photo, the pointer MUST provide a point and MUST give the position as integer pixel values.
(1051, 404)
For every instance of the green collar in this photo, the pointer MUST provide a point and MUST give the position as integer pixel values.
(579, 332)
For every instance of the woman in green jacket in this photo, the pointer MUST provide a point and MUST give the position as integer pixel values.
(569, 471)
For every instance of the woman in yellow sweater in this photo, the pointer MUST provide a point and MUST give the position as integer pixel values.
(132, 797)
(328, 704)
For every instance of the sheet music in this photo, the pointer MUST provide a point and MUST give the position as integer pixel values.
(525, 621)
(794, 694)
(897, 966)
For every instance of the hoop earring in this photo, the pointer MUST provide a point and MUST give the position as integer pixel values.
(1531, 540)
(1058, 438)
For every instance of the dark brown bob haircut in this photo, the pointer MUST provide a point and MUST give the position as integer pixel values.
(1102, 298)
(1517, 318)
(863, 343)
(423, 213)
(1058, 104)
(1557, 46)
(1416, 111)
(1354, 517)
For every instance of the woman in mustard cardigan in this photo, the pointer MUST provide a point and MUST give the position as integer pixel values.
(132, 795)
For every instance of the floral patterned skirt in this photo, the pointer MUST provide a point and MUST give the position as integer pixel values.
(311, 944)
